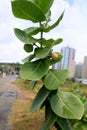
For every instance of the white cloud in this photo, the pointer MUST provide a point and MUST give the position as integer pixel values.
(12, 52)
(73, 29)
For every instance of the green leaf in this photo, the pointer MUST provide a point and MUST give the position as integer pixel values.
(28, 10)
(48, 15)
(26, 59)
(45, 5)
(55, 78)
(32, 85)
(81, 126)
(29, 58)
(67, 105)
(48, 42)
(64, 123)
(39, 99)
(35, 30)
(75, 87)
(82, 97)
(49, 121)
(22, 36)
(32, 31)
(28, 48)
(51, 42)
(58, 41)
(34, 70)
(54, 25)
(42, 52)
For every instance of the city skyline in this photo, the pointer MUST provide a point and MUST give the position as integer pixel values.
(84, 68)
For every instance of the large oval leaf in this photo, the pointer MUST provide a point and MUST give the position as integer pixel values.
(28, 10)
(39, 99)
(32, 30)
(55, 78)
(44, 4)
(22, 36)
(48, 42)
(42, 52)
(67, 105)
(34, 70)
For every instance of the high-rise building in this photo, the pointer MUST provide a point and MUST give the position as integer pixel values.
(57, 65)
(78, 70)
(68, 60)
(84, 68)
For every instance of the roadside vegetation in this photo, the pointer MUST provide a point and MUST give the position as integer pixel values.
(20, 118)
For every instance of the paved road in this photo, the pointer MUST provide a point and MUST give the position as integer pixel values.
(8, 95)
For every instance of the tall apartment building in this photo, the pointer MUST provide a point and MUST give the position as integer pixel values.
(68, 60)
(78, 70)
(84, 68)
(57, 65)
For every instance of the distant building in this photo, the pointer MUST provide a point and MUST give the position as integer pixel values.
(9, 68)
(68, 60)
(78, 70)
(84, 68)
(57, 65)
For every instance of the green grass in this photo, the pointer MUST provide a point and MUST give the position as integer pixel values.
(68, 86)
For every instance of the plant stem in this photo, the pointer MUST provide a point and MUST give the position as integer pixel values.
(36, 45)
(57, 126)
(41, 34)
(47, 109)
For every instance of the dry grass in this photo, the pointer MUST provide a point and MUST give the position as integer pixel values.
(68, 85)
(20, 118)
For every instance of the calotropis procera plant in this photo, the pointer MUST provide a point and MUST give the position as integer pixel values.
(60, 106)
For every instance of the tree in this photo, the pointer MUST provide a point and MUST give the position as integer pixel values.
(60, 106)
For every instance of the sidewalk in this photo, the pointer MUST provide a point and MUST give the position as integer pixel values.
(8, 95)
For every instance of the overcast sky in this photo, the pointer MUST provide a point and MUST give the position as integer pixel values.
(73, 29)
